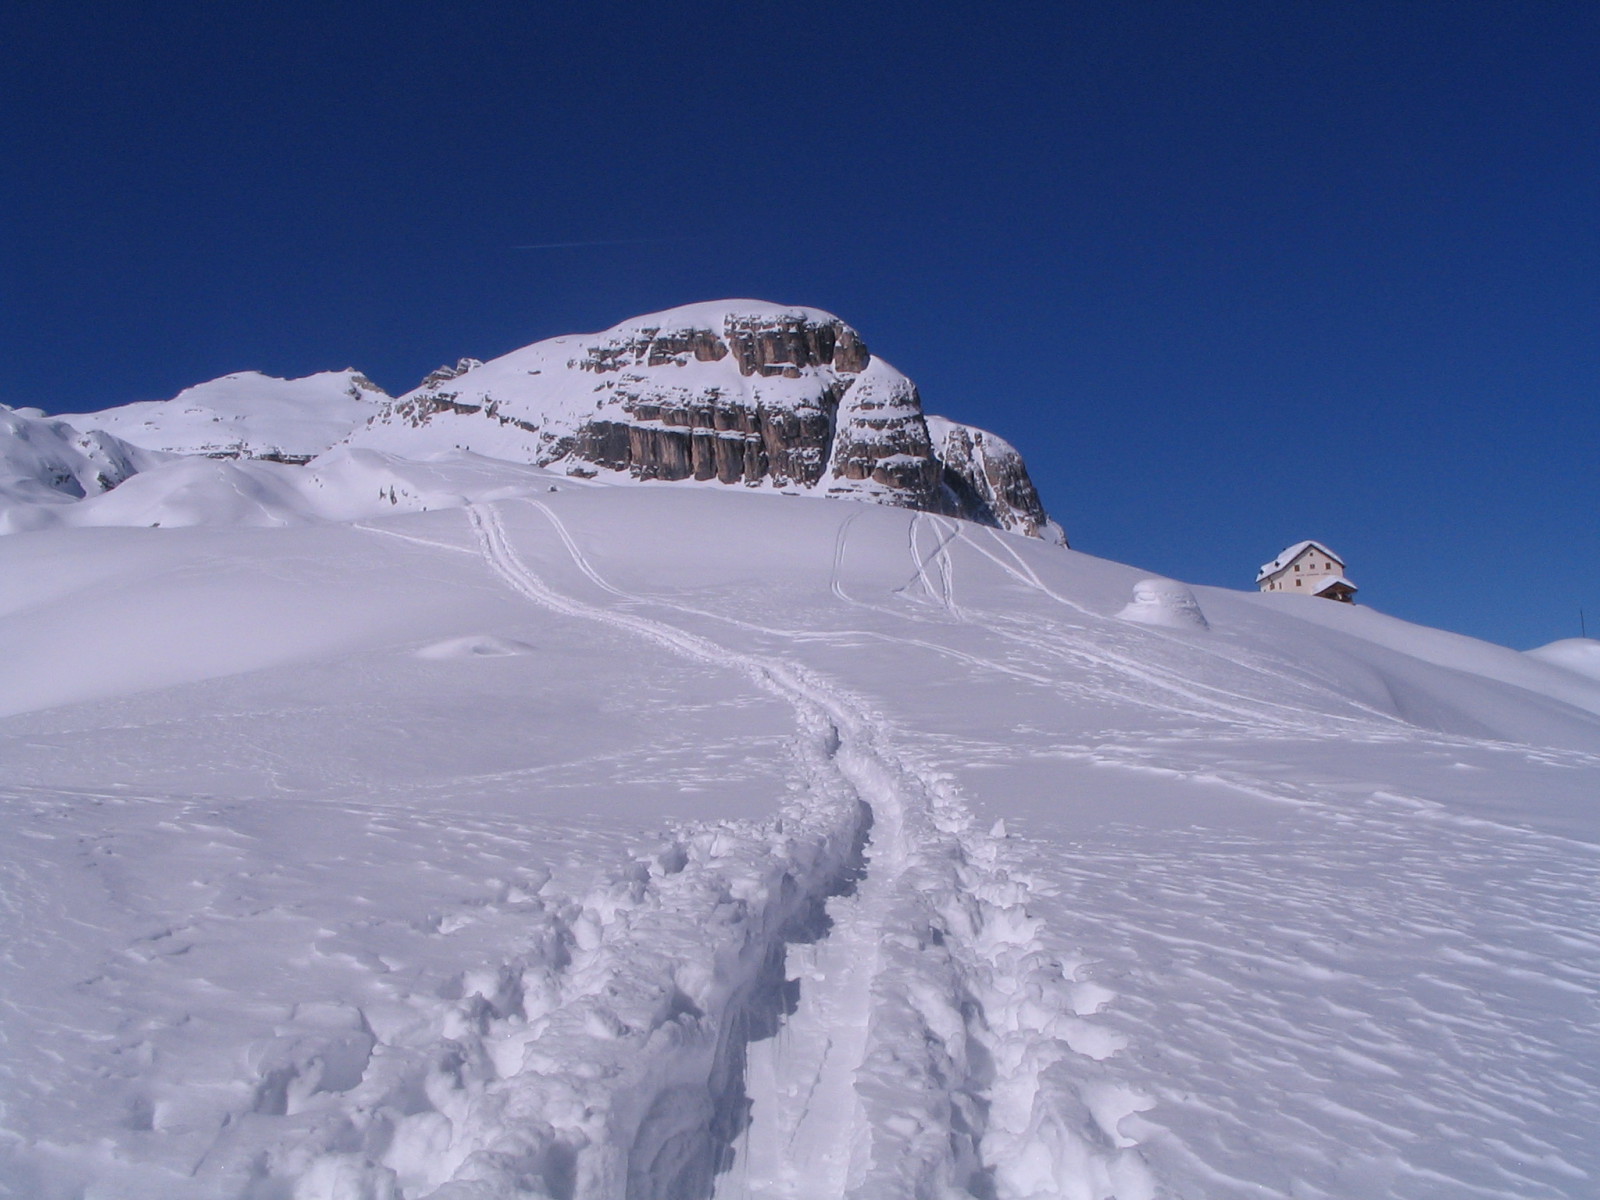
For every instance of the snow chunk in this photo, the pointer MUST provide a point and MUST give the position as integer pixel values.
(1164, 602)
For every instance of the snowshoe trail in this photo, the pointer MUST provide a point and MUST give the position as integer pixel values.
(881, 1019)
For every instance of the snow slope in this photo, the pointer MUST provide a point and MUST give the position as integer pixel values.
(342, 485)
(623, 842)
(1576, 654)
(246, 415)
(47, 465)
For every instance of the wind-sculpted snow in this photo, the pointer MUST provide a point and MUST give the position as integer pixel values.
(1580, 655)
(1164, 602)
(46, 466)
(342, 485)
(545, 846)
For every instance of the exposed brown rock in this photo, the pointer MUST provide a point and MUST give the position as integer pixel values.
(440, 375)
(989, 480)
(739, 392)
(881, 436)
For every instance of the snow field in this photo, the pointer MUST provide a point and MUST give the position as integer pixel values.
(1400, 1003)
(335, 872)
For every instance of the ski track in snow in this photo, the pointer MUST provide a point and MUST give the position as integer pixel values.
(859, 997)
(917, 1061)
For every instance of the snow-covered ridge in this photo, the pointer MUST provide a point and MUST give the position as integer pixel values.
(777, 398)
(246, 415)
(47, 464)
(1581, 655)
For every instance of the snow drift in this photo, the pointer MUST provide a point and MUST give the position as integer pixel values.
(47, 464)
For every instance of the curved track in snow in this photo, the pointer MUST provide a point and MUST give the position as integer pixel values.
(359, 909)
(920, 1056)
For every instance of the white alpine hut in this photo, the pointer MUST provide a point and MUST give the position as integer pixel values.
(1307, 569)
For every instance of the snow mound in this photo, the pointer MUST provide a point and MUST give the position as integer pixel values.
(478, 645)
(1164, 602)
(1575, 654)
(47, 464)
(247, 415)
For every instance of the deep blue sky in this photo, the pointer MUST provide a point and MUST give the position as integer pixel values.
(1230, 274)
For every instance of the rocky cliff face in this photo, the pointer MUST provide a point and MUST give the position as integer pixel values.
(990, 481)
(733, 392)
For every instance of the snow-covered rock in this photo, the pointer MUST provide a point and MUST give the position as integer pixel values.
(47, 464)
(247, 415)
(727, 392)
(989, 477)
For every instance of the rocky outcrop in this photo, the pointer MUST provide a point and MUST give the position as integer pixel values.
(881, 436)
(444, 374)
(733, 392)
(989, 480)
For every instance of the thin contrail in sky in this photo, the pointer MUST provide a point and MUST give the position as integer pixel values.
(577, 245)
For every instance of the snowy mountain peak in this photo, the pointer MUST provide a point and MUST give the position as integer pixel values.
(446, 373)
(766, 396)
(727, 392)
(763, 339)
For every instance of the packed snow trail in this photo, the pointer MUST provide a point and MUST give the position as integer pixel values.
(917, 1061)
